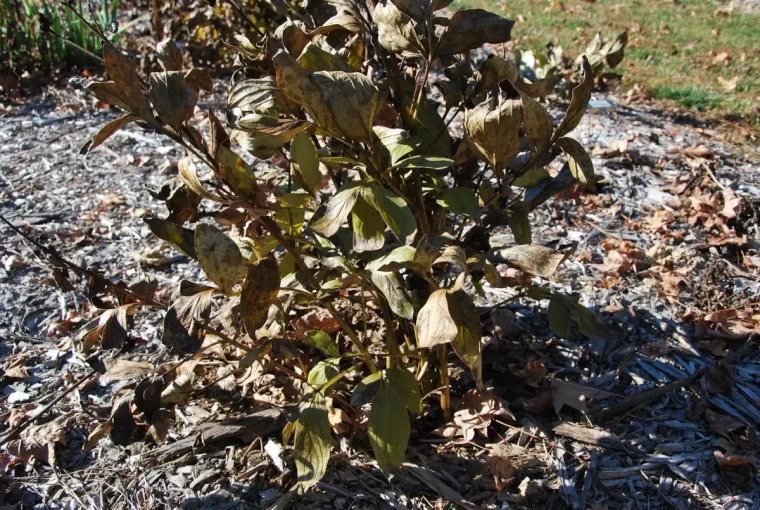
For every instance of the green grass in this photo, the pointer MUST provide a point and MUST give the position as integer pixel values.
(672, 46)
(23, 44)
(689, 97)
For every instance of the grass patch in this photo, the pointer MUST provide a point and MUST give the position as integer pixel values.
(677, 50)
(689, 97)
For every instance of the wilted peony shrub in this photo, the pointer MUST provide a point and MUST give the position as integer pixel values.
(366, 205)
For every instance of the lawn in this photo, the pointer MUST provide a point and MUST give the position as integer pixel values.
(695, 53)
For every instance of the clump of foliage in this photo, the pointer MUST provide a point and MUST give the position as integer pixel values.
(603, 56)
(42, 33)
(370, 210)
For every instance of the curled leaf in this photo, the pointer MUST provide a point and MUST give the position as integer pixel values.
(579, 162)
(578, 102)
(493, 132)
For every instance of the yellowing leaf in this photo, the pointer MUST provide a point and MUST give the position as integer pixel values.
(343, 20)
(537, 123)
(303, 155)
(323, 342)
(260, 289)
(466, 344)
(312, 442)
(182, 239)
(579, 162)
(188, 172)
(388, 427)
(106, 132)
(238, 174)
(219, 257)
(352, 99)
(369, 227)
(314, 58)
(395, 29)
(531, 258)
(493, 132)
(434, 322)
(578, 102)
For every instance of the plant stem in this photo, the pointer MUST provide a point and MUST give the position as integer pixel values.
(444, 374)
(271, 226)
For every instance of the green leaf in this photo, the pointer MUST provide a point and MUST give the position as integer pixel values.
(323, 372)
(425, 162)
(395, 212)
(460, 201)
(388, 427)
(323, 342)
(369, 227)
(338, 209)
(520, 224)
(303, 154)
(395, 291)
(532, 177)
(579, 162)
(238, 174)
(183, 239)
(406, 387)
(397, 141)
(313, 59)
(312, 442)
(366, 389)
(219, 257)
(398, 258)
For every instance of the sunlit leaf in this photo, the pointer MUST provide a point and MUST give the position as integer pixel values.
(578, 102)
(531, 258)
(338, 209)
(537, 122)
(579, 162)
(106, 132)
(219, 257)
(395, 211)
(260, 288)
(426, 162)
(395, 291)
(493, 132)
(312, 442)
(182, 239)
(323, 342)
(369, 227)
(434, 322)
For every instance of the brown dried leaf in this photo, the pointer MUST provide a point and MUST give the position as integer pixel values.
(174, 97)
(493, 132)
(262, 283)
(219, 257)
(125, 370)
(472, 28)
(578, 102)
(531, 258)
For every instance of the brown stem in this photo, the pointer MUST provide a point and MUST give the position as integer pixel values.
(444, 374)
